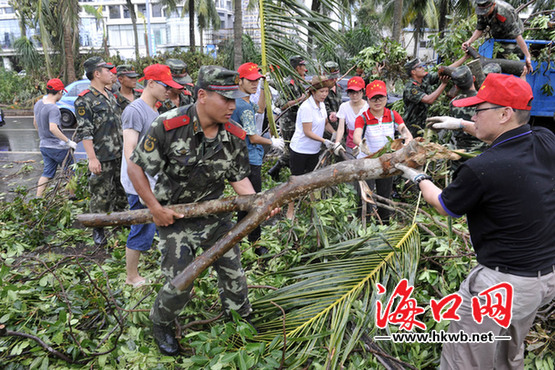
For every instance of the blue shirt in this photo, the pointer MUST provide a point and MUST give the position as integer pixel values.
(244, 115)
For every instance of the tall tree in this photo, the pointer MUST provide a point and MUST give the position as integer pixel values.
(397, 20)
(100, 22)
(133, 16)
(238, 33)
(207, 17)
(68, 13)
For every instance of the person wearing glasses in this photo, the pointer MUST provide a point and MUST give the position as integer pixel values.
(348, 113)
(136, 120)
(99, 127)
(503, 23)
(377, 125)
(508, 198)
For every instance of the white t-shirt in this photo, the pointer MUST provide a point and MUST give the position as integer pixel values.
(309, 112)
(346, 112)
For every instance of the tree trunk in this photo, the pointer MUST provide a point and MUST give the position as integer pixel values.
(68, 52)
(316, 7)
(192, 44)
(260, 205)
(443, 18)
(133, 16)
(238, 34)
(397, 20)
(417, 27)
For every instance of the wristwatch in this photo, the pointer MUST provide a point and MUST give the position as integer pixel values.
(418, 178)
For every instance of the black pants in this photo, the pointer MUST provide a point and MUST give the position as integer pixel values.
(302, 163)
(382, 187)
(256, 181)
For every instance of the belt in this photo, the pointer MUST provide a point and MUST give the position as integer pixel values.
(507, 270)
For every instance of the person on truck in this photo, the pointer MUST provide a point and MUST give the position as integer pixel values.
(503, 23)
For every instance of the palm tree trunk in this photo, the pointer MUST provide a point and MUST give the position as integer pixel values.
(397, 20)
(133, 16)
(238, 34)
(68, 53)
(442, 18)
(192, 44)
(417, 28)
(316, 7)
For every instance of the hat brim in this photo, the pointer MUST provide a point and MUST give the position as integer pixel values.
(253, 76)
(355, 88)
(377, 92)
(183, 80)
(233, 94)
(129, 74)
(468, 102)
(483, 10)
(173, 84)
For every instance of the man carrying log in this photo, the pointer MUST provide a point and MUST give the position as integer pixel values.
(508, 196)
(193, 150)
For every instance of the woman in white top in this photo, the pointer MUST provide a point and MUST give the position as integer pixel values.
(349, 111)
(377, 124)
(309, 130)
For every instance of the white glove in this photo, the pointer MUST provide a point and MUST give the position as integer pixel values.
(337, 148)
(444, 122)
(329, 144)
(333, 136)
(72, 144)
(412, 174)
(278, 143)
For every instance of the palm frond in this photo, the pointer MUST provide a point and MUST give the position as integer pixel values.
(327, 295)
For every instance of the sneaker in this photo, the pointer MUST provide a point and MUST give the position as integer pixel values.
(165, 339)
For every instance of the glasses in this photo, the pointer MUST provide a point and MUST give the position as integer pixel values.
(163, 84)
(377, 99)
(476, 111)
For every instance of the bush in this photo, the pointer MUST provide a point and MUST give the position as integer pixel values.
(19, 91)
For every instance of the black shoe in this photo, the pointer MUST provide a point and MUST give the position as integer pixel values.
(274, 171)
(165, 339)
(98, 237)
(261, 251)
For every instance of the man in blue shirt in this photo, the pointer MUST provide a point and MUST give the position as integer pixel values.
(249, 76)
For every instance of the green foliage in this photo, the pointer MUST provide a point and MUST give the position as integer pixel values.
(251, 52)
(389, 53)
(18, 91)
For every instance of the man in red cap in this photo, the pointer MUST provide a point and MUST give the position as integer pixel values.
(54, 145)
(136, 120)
(508, 196)
(249, 76)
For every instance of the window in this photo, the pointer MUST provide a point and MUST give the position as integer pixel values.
(156, 10)
(126, 12)
(115, 11)
(142, 9)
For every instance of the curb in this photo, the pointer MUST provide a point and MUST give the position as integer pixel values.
(17, 112)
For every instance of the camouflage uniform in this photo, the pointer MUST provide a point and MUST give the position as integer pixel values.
(416, 111)
(185, 98)
(123, 102)
(99, 120)
(192, 168)
(503, 22)
(461, 139)
(180, 75)
(334, 98)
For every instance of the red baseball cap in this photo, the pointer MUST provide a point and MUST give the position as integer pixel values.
(503, 90)
(55, 84)
(374, 88)
(162, 73)
(114, 70)
(356, 84)
(250, 71)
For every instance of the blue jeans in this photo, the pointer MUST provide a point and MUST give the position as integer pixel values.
(53, 158)
(141, 236)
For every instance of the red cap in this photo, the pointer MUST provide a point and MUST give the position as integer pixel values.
(503, 90)
(162, 73)
(356, 84)
(55, 84)
(250, 71)
(374, 88)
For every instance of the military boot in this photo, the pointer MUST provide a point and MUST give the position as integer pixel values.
(165, 339)
(274, 171)
(99, 237)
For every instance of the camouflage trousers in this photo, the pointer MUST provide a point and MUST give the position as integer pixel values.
(287, 129)
(179, 244)
(107, 193)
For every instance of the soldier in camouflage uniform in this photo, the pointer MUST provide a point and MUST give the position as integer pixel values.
(99, 127)
(334, 98)
(193, 150)
(503, 23)
(178, 97)
(127, 78)
(293, 94)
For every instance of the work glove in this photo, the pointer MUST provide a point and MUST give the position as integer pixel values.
(329, 144)
(411, 174)
(278, 143)
(444, 122)
(72, 144)
(338, 148)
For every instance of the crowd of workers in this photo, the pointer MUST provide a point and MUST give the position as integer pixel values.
(175, 142)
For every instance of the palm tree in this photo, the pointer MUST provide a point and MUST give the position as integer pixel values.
(68, 13)
(133, 16)
(99, 16)
(207, 17)
(237, 33)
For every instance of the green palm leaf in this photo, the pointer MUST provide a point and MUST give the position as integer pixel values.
(327, 298)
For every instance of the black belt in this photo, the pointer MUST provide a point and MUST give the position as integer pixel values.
(508, 270)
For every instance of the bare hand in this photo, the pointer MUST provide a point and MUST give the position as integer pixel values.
(465, 45)
(528, 67)
(444, 79)
(333, 117)
(94, 166)
(165, 216)
(274, 212)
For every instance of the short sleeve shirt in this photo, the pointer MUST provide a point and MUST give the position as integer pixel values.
(378, 129)
(346, 112)
(44, 115)
(503, 22)
(244, 115)
(191, 167)
(508, 195)
(309, 111)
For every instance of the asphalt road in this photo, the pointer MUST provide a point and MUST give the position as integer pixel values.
(19, 140)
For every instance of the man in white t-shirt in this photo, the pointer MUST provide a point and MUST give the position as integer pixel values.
(136, 120)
